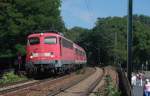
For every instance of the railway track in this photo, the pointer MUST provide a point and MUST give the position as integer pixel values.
(101, 88)
(24, 84)
(17, 85)
(63, 88)
(82, 88)
(43, 86)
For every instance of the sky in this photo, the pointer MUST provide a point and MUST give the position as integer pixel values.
(84, 13)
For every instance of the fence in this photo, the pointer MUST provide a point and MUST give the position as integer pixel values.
(124, 83)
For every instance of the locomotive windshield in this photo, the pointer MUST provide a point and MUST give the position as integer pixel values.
(50, 40)
(33, 40)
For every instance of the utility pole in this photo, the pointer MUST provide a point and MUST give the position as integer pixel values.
(129, 41)
(146, 65)
(142, 67)
(115, 49)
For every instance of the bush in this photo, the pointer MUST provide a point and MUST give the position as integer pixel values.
(111, 89)
(20, 48)
(10, 77)
(78, 71)
(81, 71)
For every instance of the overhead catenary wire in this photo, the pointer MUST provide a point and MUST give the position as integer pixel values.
(89, 9)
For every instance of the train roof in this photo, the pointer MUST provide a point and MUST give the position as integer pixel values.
(78, 47)
(44, 34)
(49, 33)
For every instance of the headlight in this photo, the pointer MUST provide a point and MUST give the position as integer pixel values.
(51, 54)
(31, 57)
(34, 55)
(47, 54)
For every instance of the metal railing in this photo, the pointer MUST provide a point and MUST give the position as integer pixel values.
(127, 89)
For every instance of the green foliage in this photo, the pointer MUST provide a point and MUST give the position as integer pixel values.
(20, 48)
(81, 71)
(111, 89)
(74, 33)
(113, 35)
(8, 53)
(141, 39)
(10, 77)
(97, 94)
(78, 72)
(107, 41)
(18, 18)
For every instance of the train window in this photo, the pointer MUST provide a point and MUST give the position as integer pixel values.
(78, 51)
(50, 40)
(33, 40)
(67, 44)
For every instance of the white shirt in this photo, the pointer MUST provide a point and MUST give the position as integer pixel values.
(133, 78)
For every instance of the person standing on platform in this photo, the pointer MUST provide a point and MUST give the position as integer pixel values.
(141, 77)
(133, 80)
(147, 88)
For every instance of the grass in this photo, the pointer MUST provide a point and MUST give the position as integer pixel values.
(10, 77)
(111, 89)
(81, 71)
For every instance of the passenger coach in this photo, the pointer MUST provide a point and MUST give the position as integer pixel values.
(51, 51)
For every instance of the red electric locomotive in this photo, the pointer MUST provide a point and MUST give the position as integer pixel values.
(49, 51)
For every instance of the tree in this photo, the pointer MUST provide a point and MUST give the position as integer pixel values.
(108, 40)
(19, 18)
(75, 32)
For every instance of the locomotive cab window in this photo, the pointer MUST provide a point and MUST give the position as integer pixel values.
(67, 44)
(33, 40)
(50, 40)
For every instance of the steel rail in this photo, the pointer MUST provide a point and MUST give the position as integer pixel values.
(63, 88)
(93, 85)
(26, 85)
